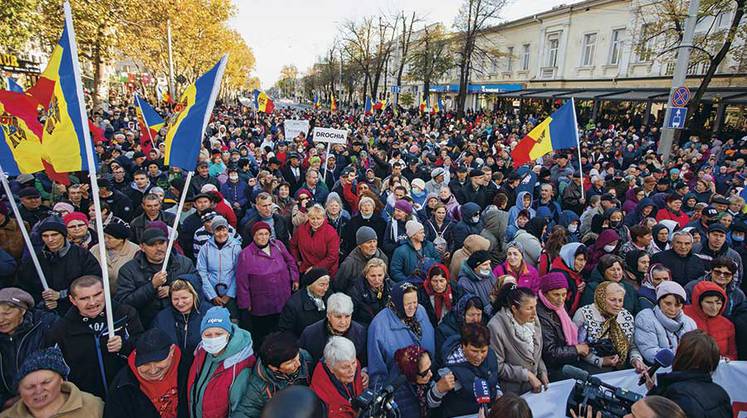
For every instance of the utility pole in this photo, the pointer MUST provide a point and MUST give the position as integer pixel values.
(678, 79)
(172, 91)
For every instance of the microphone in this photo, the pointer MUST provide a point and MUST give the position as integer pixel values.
(482, 393)
(575, 373)
(663, 358)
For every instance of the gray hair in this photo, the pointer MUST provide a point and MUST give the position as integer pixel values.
(338, 349)
(340, 303)
(683, 233)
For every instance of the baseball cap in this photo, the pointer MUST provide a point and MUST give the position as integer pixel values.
(153, 235)
(153, 345)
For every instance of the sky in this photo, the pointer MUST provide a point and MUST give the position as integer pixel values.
(282, 32)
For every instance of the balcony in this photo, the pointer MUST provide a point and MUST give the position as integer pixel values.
(548, 73)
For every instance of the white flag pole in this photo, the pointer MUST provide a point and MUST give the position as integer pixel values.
(91, 170)
(578, 148)
(172, 236)
(22, 227)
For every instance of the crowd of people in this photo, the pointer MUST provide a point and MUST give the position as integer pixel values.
(415, 256)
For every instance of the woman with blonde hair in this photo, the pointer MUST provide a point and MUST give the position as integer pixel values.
(181, 320)
(315, 243)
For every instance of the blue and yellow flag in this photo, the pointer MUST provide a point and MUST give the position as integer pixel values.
(368, 107)
(316, 100)
(66, 126)
(148, 116)
(262, 102)
(192, 113)
(333, 104)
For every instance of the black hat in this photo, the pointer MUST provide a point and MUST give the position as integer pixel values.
(313, 275)
(178, 183)
(138, 154)
(720, 200)
(608, 197)
(29, 192)
(117, 230)
(51, 224)
(208, 216)
(476, 173)
(477, 258)
(293, 155)
(152, 162)
(202, 164)
(153, 235)
(717, 227)
(152, 345)
(274, 160)
(739, 226)
(710, 212)
(201, 195)
(104, 182)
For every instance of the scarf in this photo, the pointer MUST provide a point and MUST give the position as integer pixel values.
(163, 394)
(570, 330)
(672, 326)
(440, 300)
(648, 279)
(420, 394)
(411, 323)
(524, 332)
(332, 332)
(610, 326)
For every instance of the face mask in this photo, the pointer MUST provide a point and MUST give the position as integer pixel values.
(476, 219)
(418, 192)
(215, 345)
(572, 228)
(737, 238)
(233, 178)
(609, 248)
(614, 224)
(485, 273)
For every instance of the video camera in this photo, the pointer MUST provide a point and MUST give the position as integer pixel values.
(589, 391)
(374, 403)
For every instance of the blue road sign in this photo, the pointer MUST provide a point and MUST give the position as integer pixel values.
(395, 89)
(681, 96)
(677, 118)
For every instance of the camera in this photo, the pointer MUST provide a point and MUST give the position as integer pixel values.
(589, 391)
(374, 403)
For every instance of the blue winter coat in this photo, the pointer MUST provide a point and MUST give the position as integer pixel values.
(218, 266)
(519, 206)
(235, 192)
(465, 227)
(470, 283)
(654, 332)
(387, 334)
(406, 260)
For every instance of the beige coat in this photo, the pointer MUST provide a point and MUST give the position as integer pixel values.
(514, 359)
(471, 244)
(114, 261)
(78, 405)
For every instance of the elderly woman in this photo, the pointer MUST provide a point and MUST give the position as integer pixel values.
(338, 379)
(609, 327)
(663, 326)
(225, 348)
(723, 270)
(119, 250)
(560, 344)
(611, 268)
(514, 265)
(571, 263)
(516, 338)
(371, 293)
(315, 243)
(266, 274)
(707, 309)
(308, 304)
(436, 295)
(181, 321)
(402, 323)
(468, 310)
(656, 274)
(421, 392)
(45, 392)
(337, 323)
(216, 263)
(78, 232)
(300, 211)
(476, 278)
(636, 263)
(336, 215)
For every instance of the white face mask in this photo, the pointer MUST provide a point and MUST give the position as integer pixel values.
(233, 178)
(215, 345)
(476, 219)
(485, 272)
(572, 228)
(609, 248)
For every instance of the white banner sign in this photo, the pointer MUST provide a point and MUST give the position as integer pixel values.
(293, 127)
(332, 136)
(732, 376)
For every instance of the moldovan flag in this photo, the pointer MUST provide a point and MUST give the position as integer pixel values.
(262, 102)
(381, 104)
(559, 131)
(367, 108)
(316, 101)
(423, 106)
(333, 104)
(149, 120)
(20, 134)
(187, 126)
(65, 129)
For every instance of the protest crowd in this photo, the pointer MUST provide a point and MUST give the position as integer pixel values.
(415, 255)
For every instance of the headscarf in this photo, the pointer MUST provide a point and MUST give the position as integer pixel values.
(552, 281)
(648, 279)
(662, 245)
(610, 326)
(596, 251)
(631, 261)
(440, 300)
(535, 226)
(568, 253)
(397, 305)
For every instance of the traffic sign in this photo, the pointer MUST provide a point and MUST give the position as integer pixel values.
(681, 96)
(677, 117)
(395, 89)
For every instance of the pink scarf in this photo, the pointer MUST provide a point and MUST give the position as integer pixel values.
(570, 331)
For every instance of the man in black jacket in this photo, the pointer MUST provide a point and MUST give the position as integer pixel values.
(119, 203)
(94, 356)
(685, 265)
(263, 212)
(151, 212)
(203, 203)
(293, 173)
(31, 208)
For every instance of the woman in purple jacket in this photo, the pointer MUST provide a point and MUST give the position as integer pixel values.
(266, 274)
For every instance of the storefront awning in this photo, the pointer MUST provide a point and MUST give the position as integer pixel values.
(544, 94)
(587, 94)
(659, 95)
(739, 99)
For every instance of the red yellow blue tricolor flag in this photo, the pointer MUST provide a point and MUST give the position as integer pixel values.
(20, 134)
(262, 102)
(381, 104)
(187, 126)
(423, 106)
(559, 131)
(316, 101)
(367, 108)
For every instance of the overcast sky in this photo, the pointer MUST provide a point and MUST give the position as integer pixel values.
(298, 31)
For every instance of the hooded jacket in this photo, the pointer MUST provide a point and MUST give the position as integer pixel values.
(407, 261)
(471, 244)
(495, 222)
(218, 266)
(471, 283)
(466, 226)
(636, 216)
(513, 213)
(530, 240)
(721, 329)
(596, 251)
(564, 264)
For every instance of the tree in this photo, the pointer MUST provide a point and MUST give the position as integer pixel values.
(662, 24)
(474, 17)
(18, 19)
(287, 82)
(431, 56)
(404, 44)
(358, 45)
(406, 99)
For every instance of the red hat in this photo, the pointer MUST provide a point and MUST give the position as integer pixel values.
(260, 225)
(75, 216)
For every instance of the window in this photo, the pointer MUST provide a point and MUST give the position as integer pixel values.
(510, 63)
(494, 65)
(723, 19)
(525, 57)
(616, 46)
(551, 54)
(589, 46)
(646, 45)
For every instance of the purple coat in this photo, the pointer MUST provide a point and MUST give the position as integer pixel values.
(529, 278)
(263, 282)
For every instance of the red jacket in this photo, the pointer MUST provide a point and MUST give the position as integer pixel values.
(317, 249)
(224, 210)
(338, 406)
(574, 296)
(720, 328)
(682, 219)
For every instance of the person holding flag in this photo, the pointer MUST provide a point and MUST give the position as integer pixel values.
(262, 102)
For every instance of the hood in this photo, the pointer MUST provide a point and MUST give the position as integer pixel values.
(475, 243)
(469, 210)
(646, 201)
(568, 253)
(461, 306)
(491, 220)
(707, 286)
(535, 226)
(568, 216)
(608, 213)
(519, 205)
(630, 195)
(239, 347)
(439, 266)
(671, 226)
(544, 212)
(607, 236)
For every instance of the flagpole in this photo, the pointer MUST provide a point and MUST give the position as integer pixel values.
(22, 227)
(578, 148)
(91, 171)
(172, 92)
(179, 208)
(324, 174)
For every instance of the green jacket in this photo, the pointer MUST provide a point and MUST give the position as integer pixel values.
(630, 302)
(263, 384)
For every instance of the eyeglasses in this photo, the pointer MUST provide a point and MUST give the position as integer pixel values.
(424, 373)
(722, 273)
(76, 226)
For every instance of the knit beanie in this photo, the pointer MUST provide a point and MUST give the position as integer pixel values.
(404, 206)
(117, 230)
(46, 359)
(552, 281)
(477, 258)
(669, 287)
(412, 227)
(52, 224)
(75, 216)
(216, 317)
(63, 206)
(260, 225)
(365, 234)
(313, 275)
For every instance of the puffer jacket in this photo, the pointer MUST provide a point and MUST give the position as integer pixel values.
(495, 223)
(555, 351)
(319, 248)
(695, 392)
(721, 329)
(471, 244)
(218, 265)
(529, 276)
(655, 331)
(473, 284)
(407, 261)
(263, 281)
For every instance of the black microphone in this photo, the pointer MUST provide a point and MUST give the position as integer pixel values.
(663, 358)
(575, 373)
